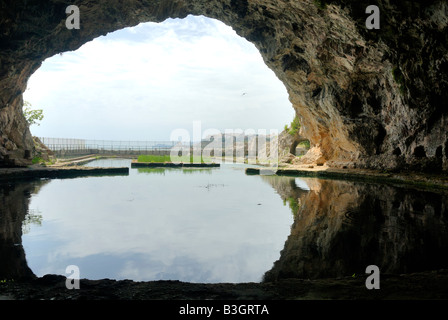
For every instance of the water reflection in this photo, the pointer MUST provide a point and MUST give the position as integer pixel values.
(163, 171)
(341, 227)
(332, 228)
(14, 219)
(212, 225)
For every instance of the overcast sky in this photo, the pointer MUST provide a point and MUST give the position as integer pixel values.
(141, 83)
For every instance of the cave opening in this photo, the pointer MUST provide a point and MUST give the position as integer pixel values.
(142, 82)
(340, 77)
(278, 33)
(420, 152)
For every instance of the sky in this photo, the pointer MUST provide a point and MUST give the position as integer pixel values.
(144, 82)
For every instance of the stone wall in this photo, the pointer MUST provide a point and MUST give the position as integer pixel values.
(366, 98)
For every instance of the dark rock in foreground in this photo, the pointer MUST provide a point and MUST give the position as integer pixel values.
(425, 285)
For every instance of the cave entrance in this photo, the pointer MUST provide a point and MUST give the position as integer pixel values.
(277, 32)
(300, 147)
(143, 82)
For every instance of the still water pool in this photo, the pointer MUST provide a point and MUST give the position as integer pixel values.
(196, 225)
(218, 225)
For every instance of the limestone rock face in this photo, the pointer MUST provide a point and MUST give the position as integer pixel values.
(367, 98)
(42, 151)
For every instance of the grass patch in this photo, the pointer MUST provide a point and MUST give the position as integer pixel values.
(167, 158)
(37, 160)
(154, 158)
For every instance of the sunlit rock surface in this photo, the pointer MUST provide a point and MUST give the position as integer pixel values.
(366, 98)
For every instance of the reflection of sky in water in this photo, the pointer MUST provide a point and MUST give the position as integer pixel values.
(197, 227)
(301, 184)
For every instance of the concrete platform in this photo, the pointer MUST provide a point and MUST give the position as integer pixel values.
(38, 172)
(136, 164)
(415, 179)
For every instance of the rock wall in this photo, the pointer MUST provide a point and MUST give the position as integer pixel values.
(366, 98)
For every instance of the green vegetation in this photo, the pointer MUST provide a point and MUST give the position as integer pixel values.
(294, 127)
(32, 116)
(304, 144)
(31, 218)
(293, 205)
(167, 158)
(6, 280)
(159, 171)
(37, 160)
(153, 158)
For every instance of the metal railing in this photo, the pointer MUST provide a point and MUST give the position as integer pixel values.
(63, 147)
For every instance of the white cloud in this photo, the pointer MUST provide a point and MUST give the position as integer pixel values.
(143, 82)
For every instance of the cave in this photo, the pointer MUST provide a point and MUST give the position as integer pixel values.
(420, 152)
(295, 144)
(362, 94)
